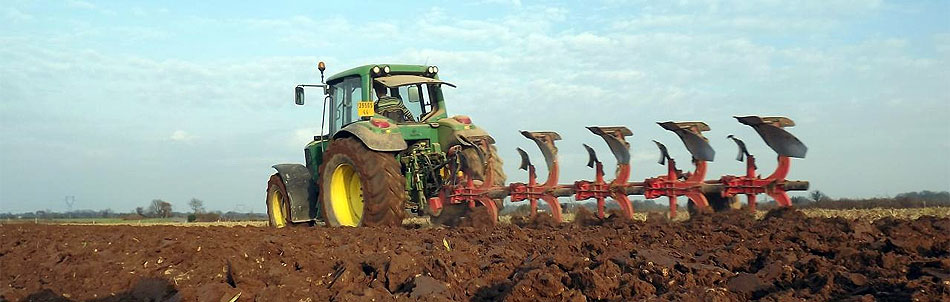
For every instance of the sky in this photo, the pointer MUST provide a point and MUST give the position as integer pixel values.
(118, 103)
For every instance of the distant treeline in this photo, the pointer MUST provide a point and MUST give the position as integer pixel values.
(90, 214)
(157, 208)
(921, 199)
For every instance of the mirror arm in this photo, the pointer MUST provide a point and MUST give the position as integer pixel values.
(324, 86)
(299, 91)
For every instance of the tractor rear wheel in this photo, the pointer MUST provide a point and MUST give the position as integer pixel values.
(722, 204)
(359, 186)
(277, 207)
(472, 165)
(717, 203)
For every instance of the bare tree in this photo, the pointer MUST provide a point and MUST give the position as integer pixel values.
(160, 208)
(817, 195)
(197, 205)
(800, 200)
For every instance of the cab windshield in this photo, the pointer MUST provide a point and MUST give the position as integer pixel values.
(420, 99)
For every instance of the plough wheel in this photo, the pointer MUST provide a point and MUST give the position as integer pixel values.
(717, 203)
(277, 210)
(451, 213)
(359, 186)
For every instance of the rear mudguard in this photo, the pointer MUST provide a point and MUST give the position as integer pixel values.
(377, 139)
(301, 191)
(452, 132)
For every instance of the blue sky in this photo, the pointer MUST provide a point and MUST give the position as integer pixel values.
(118, 103)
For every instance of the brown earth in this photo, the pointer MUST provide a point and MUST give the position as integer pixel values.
(715, 257)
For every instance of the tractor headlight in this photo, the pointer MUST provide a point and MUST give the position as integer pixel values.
(376, 70)
(435, 69)
(432, 70)
(386, 69)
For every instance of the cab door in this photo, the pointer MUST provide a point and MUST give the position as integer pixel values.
(344, 96)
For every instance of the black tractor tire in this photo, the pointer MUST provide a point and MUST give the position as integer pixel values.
(717, 203)
(723, 204)
(472, 165)
(276, 199)
(383, 186)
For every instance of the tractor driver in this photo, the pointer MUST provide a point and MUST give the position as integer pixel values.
(390, 106)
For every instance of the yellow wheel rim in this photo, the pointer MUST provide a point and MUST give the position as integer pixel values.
(346, 195)
(276, 209)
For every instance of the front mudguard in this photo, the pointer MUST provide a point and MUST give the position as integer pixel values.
(301, 191)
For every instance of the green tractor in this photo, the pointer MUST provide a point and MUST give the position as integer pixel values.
(374, 168)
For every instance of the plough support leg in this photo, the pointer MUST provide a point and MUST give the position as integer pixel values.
(532, 191)
(782, 142)
(675, 183)
(599, 189)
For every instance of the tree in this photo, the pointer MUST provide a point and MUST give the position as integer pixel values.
(160, 208)
(140, 211)
(817, 195)
(799, 200)
(197, 205)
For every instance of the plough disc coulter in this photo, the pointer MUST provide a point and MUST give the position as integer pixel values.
(674, 183)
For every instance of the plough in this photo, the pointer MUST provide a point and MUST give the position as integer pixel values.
(673, 184)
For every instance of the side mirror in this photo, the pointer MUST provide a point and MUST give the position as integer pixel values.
(298, 95)
(413, 94)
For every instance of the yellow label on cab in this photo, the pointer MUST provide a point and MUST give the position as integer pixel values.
(365, 108)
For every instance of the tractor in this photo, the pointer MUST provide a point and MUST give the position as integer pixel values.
(371, 169)
(375, 165)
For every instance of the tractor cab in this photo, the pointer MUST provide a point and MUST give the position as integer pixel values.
(352, 95)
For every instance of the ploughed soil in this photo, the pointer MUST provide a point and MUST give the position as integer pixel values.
(713, 257)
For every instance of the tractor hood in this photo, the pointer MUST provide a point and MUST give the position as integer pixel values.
(401, 80)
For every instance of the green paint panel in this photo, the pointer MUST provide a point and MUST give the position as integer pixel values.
(419, 132)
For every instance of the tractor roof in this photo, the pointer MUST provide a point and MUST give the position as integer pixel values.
(365, 69)
(405, 79)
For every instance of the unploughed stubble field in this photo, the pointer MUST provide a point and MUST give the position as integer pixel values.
(780, 255)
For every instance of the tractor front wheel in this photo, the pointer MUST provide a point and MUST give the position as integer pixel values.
(359, 186)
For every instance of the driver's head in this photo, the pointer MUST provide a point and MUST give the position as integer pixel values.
(380, 89)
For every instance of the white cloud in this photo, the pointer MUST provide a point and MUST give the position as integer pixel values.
(16, 15)
(80, 4)
(182, 136)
